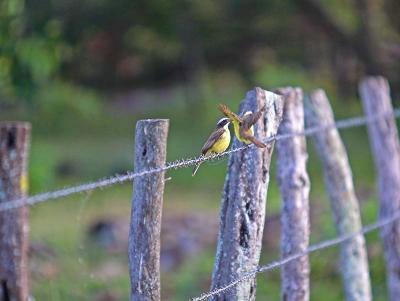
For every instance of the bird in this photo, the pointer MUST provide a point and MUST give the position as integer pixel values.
(244, 125)
(217, 142)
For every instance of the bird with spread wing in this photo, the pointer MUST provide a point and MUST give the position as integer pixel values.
(244, 125)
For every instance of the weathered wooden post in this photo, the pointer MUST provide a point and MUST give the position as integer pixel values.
(14, 145)
(243, 202)
(294, 185)
(344, 203)
(145, 228)
(385, 145)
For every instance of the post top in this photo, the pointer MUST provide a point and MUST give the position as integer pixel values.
(15, 124)
(154, 120)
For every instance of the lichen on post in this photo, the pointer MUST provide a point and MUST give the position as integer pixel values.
(294, 185)
(243, 202)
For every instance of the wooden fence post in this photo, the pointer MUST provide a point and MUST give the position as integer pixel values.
(145, 227)
(385, 145)
(243, 202)
(14, 145)
(344, 203)
(294, 185)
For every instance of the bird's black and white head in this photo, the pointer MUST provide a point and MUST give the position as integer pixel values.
(223, 122)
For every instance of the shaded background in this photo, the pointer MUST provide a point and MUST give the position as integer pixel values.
(83, 72)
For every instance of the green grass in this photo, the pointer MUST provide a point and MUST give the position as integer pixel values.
(62, 225)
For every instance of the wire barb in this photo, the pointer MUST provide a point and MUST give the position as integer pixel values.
(129, 176)
(317, 247)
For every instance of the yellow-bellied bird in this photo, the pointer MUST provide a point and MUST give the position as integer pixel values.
(243, 125)
(218, 141)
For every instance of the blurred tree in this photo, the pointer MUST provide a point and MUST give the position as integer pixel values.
(33, 49)
(366, 42)
(29, 55)
(121, 44)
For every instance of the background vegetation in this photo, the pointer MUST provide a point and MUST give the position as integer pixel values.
(83, 72)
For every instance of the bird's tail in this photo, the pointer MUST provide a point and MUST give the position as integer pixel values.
(257, 142)
(195, 169)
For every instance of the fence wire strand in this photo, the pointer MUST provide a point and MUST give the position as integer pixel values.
(129, 176)
(316, 247)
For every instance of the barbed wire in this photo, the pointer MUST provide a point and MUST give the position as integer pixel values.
(316, 247)
(183, 163)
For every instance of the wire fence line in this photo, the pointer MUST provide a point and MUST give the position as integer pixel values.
(183, 163)
(313, 248)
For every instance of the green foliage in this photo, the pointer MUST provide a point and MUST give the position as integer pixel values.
(39, 56)
(152, 44)
(29, 55)
(275, 75)
(60, 105)
(42, 163)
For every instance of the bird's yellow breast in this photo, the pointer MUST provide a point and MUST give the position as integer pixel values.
(222, 143)
(236, 128)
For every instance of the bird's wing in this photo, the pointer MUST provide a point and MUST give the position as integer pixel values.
(228, 113)
(251, 119)
(212, 139)
(253, 139)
